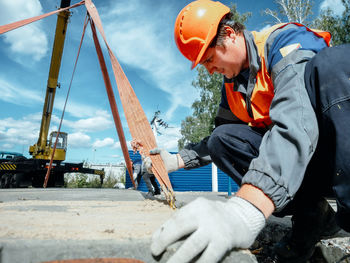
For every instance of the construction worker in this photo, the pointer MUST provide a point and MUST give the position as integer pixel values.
(281, 133)
(139, 172)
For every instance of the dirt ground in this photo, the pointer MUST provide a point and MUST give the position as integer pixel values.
(81, 220)
(91, 223)
(39, 225)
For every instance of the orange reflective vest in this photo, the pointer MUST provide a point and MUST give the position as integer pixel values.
(263, 91)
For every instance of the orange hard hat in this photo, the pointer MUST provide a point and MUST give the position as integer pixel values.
(196, 26)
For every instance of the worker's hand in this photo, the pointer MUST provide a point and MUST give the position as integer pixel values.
(136, 145)
(170, 160)
(213, 227)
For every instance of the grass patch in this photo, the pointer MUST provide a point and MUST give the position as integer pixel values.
(80, 180)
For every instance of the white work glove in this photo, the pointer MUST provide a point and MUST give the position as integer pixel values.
(213, 226)
(170, 160)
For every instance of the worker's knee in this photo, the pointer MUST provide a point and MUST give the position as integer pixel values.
(213, 144)
(232, 147)
(220, 143)
(234, 141)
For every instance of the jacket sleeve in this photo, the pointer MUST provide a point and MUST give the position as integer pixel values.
(197, 155)
(289, 144)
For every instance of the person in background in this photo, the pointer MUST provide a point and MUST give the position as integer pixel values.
(282, 133)
(139, 171)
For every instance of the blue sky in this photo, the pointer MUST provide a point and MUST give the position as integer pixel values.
(140, 32)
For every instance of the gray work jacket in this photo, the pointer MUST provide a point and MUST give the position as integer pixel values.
(290, 141)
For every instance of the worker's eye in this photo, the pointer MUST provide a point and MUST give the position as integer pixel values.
(208, 60)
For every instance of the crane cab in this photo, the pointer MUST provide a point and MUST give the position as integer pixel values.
(61, 140)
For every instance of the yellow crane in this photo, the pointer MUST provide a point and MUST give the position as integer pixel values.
(43, 148)
(20, 171)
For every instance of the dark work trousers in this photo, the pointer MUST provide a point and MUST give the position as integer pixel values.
(154, 183)
(327, 79)
(152, 179)
(233, 146)
(139, 177)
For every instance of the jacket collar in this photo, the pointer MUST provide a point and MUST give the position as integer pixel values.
(252, 50)
(243, 80)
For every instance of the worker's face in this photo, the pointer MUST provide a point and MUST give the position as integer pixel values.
(228, 59)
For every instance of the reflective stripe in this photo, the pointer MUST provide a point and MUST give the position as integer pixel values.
(7, 166)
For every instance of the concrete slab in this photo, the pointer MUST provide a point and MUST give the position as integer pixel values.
(39, 225)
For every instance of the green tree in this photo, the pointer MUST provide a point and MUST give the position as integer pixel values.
(240, 18)
(338, 26)
(194, 128)
(291, 11)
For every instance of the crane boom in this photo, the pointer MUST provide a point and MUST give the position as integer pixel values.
(22, 172)
(43, 149)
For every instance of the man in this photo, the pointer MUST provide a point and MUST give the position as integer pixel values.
(281, 133)
(139, 171)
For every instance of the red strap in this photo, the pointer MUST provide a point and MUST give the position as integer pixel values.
(139, 126)
(65, 104)
(14, 25)
(112, 102)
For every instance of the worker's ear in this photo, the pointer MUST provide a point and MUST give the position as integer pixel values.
(230, 32)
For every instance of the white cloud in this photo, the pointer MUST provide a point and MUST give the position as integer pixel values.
(7, 146)
(117, 145)
(150, 47)
(79, 140)
(29, 40)
(101, 121)
(15, 93)
(150, 51)
(103, 143)
(76, 109)
(24, 131)
(335, 5)
(168, 139)
(12, 93)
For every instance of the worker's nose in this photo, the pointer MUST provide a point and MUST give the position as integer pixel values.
(210, 68)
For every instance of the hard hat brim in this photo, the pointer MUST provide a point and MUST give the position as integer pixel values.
(211, 34)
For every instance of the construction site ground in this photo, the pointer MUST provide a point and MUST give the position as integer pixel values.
(40, 225)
